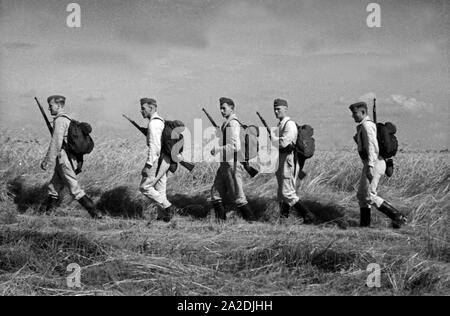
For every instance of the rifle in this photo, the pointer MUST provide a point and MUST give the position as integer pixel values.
(50, 129)
(265, 125)
(189, 166)
(49, 125)
(250, 170)
(142, 129)
(375, 111)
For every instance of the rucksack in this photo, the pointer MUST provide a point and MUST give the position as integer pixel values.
(249, 137)
(79, 140)
(387, 141)
(171, 137)
(305, 145)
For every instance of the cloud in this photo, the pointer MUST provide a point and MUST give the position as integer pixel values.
(93, 57)
(28, 94)
(18, 45)
(410, 104)
(172, 23)
(397, 102)
(95, 98)
(177, 34)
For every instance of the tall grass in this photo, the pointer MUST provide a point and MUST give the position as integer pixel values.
(130, 253)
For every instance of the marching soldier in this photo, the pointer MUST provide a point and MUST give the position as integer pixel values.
(228, 181)
(155, 190)
(288, 166)
(374, 166)
(66, 163)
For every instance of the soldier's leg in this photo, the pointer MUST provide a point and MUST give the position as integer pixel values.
(398, 219)
(289, 188)
(237, 184)
(54, 189)
(68, 166)
(56, 184)
(218, 191)
(292, 199)
(168, 210)
(156, 193)
(378, 171)
(284, 207)
(363, 196)
(69, 177)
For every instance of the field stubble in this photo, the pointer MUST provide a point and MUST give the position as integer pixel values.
(130, 253)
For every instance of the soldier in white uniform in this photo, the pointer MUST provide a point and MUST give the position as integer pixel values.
(156, 191)
(228, 181)
(66, 163)
(374, 167)
(288, 166)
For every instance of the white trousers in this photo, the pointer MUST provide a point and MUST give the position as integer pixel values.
(367, 191)
(156, 192)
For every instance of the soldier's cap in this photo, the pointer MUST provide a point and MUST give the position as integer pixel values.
(148, 101)
(280, 102)
(226, 100)
(358, 105)
(57, 98)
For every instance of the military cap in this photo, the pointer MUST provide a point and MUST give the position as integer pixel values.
(358, 105)
(148, 100)
(57, 98)
(227, 101)
(280, 102)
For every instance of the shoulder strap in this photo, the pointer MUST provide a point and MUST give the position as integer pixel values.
(157, 118)
(285, 124)
(66, 116)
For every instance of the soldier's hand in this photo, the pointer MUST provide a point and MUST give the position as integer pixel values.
(44, 165)
(370, 174)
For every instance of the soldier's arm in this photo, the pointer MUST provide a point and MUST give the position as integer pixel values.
(154, 145)
(289, 135)
(57, 140)
(235, 143)
(370, 142)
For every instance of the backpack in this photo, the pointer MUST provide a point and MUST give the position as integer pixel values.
(171, 137)
(172, 141)
(305, 145)
(387, 141)
(249, 137)
(79, 140)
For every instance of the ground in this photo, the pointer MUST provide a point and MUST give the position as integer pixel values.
(130, 253)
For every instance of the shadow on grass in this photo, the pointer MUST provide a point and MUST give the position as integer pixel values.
(126, 202)
(328, 213)
(25, 195)
(123, 202)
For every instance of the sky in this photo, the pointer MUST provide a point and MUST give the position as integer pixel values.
(318, 55)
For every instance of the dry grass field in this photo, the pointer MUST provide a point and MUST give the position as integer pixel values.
(129, 253)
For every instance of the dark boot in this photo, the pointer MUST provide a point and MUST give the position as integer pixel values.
(49, 206)
(365, 217)
(166, 214)
(87, 203)
(284, 210)
(398, 219)
(220, 212)
(247, 213)
(304, 212)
